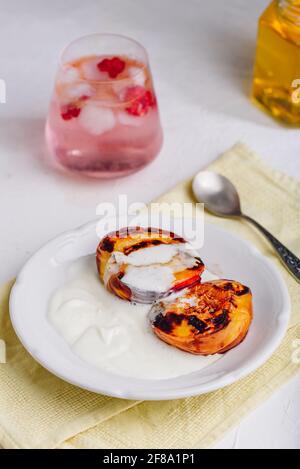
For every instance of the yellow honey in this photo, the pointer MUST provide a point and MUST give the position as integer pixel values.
(276, 85)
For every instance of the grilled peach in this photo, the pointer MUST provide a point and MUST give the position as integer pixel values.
(208, 318)
(145, 264)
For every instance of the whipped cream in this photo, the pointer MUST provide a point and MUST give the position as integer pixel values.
(154, 278)
(152, 268)
(161, 254)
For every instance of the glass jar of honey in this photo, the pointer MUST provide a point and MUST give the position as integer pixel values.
(276, 85)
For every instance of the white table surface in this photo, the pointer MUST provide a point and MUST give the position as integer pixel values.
(202, 55)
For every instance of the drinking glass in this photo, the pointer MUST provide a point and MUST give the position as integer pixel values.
(103, 119)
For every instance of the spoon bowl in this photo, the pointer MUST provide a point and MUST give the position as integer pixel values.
(217, 193)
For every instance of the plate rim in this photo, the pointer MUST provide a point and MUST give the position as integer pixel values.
(186, 391)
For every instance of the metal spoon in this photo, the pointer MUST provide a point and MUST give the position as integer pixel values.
(222, 199)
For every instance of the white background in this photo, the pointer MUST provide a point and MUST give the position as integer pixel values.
(201, 54)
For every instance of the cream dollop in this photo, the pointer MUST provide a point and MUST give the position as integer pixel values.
(152, 268)
(161, 254)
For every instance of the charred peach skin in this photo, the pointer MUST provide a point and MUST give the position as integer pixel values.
(208, 318)
(129, 240)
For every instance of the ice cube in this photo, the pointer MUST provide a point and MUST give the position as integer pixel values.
(137, 75)
(91, 71)
(127, 119)
(119, 89)
(79, 90)
(68, 74)
(96, 119)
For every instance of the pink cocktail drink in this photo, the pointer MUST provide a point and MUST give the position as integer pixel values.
(103, 119)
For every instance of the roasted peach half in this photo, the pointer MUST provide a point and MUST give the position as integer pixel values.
(208, 318)
(146, 264)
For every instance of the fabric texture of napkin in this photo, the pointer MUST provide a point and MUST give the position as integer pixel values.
(37, 410)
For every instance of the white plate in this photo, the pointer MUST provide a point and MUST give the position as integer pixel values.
(231, 256)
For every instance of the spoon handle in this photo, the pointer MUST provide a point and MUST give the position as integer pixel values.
(289, 259)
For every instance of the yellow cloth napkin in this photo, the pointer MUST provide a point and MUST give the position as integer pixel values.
(38, 410)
